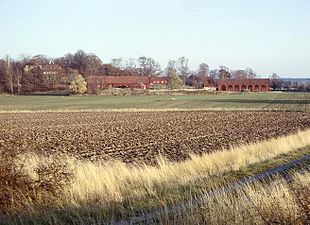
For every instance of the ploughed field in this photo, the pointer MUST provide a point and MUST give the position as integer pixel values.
(142, 136)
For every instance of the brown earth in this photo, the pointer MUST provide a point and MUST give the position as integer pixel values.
(142, 136)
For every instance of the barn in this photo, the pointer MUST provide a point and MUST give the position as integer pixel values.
(252, 85)
(139, 82)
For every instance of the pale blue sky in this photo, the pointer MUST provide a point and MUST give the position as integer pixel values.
(266, 35)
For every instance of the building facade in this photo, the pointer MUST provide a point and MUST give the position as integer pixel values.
(252, 85)
(139, 82)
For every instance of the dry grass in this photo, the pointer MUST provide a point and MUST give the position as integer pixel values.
(108, 191)
(262, 203)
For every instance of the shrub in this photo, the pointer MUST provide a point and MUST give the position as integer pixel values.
(18, 187)
(175, 81)
(78, 85)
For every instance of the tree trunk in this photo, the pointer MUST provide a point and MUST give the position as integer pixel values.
(9, 74)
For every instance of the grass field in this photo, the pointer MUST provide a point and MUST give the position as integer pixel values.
(277, 101)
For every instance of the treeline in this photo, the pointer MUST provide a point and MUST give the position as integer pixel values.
(296, 86)
(41, 73)
(278, 84)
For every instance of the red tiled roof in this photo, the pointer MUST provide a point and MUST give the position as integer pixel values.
(159, 79)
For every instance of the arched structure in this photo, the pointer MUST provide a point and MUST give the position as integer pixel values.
(257, 85)
(256, 88)
(237, 88)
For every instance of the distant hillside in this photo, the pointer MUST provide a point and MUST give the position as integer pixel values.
(298, 80)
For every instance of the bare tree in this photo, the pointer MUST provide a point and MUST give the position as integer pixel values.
(171, 67)
(275, 82)
(131, 67)
(131, 63)
(40, 59)
(8, 76)
(80, 60)
(224, 72)
(214, 74)
(92, 65)
(17, 71)
(66, 62)
(148, 66)
(32, 79)
(117, 62)
(2, 74)
(182, 66)
(250, 73)
(222, 67)
(203, 70)
(238, 74)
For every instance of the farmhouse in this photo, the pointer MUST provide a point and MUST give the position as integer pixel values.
(140, 82)
(253, 85)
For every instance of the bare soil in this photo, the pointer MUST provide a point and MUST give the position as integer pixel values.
(135, 137)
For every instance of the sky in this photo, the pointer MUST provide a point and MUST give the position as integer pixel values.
(266, 35)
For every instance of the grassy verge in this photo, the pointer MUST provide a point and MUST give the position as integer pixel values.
(276, 201)
(114, 190)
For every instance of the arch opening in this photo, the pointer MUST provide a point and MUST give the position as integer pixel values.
(256, 88)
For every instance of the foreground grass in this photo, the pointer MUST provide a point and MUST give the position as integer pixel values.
(267, 101)
(276, 201)
(105, 192)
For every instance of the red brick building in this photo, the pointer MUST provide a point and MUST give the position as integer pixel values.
(208, 82)
(158, 80)
(253, 85)
(140, 82)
